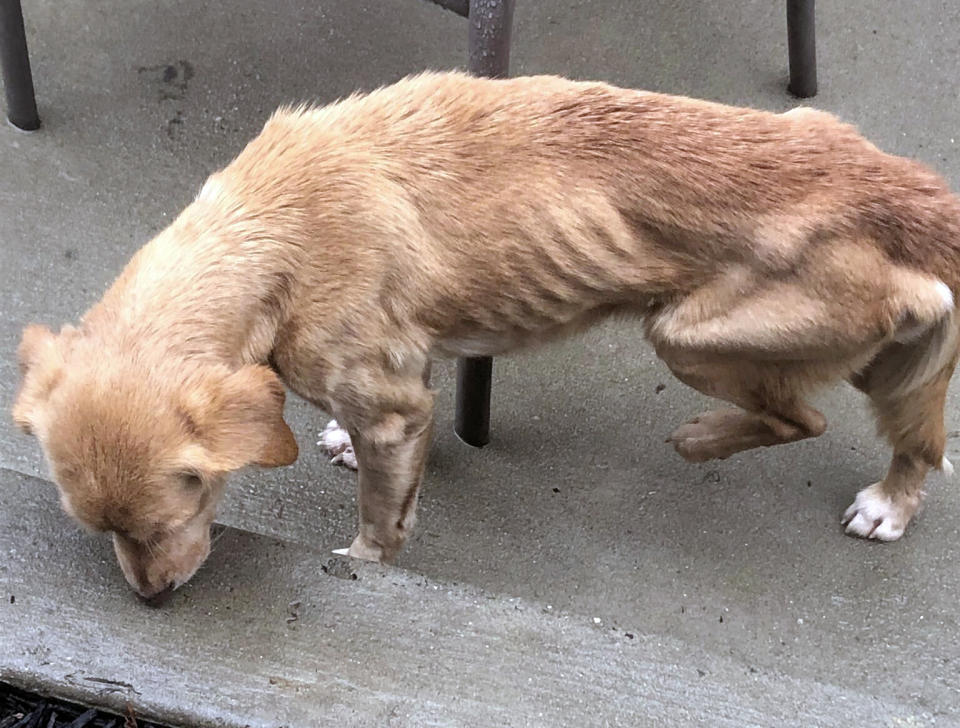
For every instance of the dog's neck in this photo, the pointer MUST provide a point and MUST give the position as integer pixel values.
(212, 286)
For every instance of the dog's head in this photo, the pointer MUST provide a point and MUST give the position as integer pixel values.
(143, 452)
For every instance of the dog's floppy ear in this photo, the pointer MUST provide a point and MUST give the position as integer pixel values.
(41, 367)
(238, 419)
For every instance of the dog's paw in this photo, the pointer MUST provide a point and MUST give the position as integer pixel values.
(874, 514)
(360, 549)
(336, 443)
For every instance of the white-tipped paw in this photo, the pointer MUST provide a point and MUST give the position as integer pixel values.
(360, 549)
(874, 514)
(336, 443)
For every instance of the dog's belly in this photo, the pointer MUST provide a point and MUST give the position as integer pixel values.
(479, 344)
(471, 341)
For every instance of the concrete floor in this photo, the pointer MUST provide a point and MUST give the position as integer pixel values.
(575, 572)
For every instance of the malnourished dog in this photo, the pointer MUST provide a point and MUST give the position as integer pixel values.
(445, 215)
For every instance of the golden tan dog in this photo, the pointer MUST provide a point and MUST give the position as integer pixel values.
(446, 215)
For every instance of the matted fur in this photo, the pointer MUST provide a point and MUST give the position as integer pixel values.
(768, 254)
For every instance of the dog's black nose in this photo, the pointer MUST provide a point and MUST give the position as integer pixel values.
(158, 599)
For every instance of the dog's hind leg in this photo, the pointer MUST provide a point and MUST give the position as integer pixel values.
(762, 343)
(772, 411)
(907, 385)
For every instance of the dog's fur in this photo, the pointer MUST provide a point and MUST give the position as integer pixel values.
(446, 215)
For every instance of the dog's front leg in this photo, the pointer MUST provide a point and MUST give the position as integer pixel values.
(390, 473)
(335, 440)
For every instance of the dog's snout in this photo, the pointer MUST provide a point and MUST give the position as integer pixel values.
(160, 598)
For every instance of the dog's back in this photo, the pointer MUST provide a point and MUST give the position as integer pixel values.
(535, 199)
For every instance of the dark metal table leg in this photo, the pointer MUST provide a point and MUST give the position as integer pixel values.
(17, 79)
(802, 44)
(490, 25)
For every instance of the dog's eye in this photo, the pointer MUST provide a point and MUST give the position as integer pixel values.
(191, 481)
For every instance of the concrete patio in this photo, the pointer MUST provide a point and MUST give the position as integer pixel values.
(575, 572)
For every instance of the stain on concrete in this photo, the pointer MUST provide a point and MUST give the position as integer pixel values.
(170, 80)
(175, 125)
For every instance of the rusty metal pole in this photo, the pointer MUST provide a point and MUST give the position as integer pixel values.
(17, 79)
(490, 25)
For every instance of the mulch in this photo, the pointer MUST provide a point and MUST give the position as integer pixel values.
(20, 709)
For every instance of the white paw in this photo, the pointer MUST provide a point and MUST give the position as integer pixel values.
(359, 549)
(875, 515)
(336, 442)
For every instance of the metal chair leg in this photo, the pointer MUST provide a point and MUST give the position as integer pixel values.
(490, 25)
(802, 44)
(17, 79)
(472, 421)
